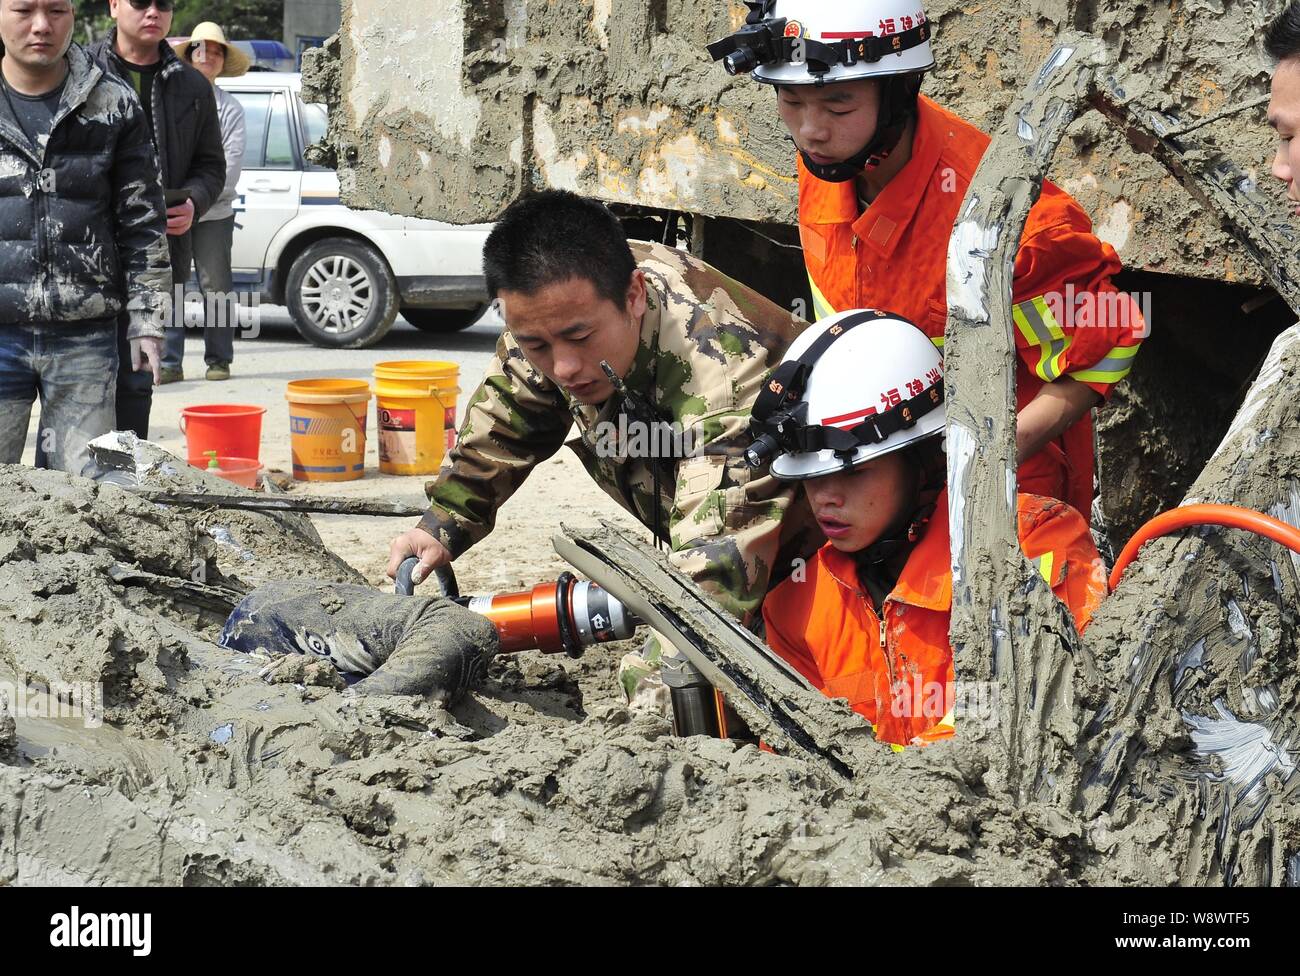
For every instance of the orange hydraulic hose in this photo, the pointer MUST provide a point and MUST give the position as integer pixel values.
(1229, 516)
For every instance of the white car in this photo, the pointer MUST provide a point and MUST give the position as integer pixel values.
(344, 274)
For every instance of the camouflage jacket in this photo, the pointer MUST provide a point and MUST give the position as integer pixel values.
(82, 212)
(707, 345)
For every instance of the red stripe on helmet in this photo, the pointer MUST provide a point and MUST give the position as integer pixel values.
(844, 419)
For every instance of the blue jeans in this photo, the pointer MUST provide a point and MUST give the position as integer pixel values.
(73, 369)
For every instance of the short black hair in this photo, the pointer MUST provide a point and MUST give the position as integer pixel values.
(554, 236)
(1282, 36)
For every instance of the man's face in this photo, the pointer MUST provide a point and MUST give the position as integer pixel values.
(567, 329)
(856, 508)
(147, 26)
(36, 33)
(833, 123)
(1284, 117)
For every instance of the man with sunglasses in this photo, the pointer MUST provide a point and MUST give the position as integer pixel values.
(182, 113)
(81, 208)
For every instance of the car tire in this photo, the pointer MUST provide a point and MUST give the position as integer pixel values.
(443, 320)
(341, 294)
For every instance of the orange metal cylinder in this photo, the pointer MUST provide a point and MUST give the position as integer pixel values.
(524, 621)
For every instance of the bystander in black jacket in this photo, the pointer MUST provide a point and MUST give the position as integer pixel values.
(187, 136)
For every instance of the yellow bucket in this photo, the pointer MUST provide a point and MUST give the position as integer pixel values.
(327, 424)
(416, 407)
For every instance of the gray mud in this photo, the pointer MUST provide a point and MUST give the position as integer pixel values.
(204, 773)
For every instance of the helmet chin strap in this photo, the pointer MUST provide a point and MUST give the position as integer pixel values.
(910, 524)
(898, 96)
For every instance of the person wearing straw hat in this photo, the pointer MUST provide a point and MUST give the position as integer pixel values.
(207, 50)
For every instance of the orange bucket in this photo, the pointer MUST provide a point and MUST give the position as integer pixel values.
(416, 406)
(232, 430)
(327, 425)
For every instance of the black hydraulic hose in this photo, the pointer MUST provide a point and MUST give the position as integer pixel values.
(444, 575)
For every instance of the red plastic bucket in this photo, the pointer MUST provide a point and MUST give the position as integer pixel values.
(232, 430)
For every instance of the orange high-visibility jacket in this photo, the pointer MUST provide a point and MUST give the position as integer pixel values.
(896, 668)
(1069, 319)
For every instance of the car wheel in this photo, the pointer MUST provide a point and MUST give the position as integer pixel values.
(443, 319)
(341, 294)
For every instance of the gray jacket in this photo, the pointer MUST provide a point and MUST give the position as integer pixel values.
(82, 221)
(233, 138)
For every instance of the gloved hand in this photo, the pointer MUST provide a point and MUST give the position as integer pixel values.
(382, 643)
(147, 352)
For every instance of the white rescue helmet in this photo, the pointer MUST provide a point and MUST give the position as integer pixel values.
(895, 31)
(880, 378)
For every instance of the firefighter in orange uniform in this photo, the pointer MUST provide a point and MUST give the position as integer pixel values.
(868, 620)
(882, 174)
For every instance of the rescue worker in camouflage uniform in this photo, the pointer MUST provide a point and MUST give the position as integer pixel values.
(691, 348)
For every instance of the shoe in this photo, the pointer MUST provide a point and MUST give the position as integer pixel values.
(219, 371)
(171, 374)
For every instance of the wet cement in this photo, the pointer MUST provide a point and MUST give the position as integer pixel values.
(1168, 743)
(205, 773)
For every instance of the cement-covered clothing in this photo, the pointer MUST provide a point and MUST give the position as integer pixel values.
(81, 214)
(388, 644)
(72, 367)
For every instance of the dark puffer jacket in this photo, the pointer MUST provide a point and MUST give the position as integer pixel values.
(82, 222)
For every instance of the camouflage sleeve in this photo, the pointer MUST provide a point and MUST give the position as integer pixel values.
(140, 224)
(515, 420)
(725, 523)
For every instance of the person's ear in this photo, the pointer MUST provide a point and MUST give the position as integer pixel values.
(636, 295)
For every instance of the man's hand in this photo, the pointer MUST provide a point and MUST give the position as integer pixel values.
(146, 353)
(432, 554)
(180, 218)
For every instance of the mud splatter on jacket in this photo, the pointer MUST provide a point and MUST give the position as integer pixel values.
(707, 345)
(82, 221)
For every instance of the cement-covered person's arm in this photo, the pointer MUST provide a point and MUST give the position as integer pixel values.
(725, 523)
(442, 653)
(1055, 409)
(515, 420)
(140, 226)
(387, 644)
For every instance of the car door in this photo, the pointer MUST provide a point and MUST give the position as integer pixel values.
(270, 185)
